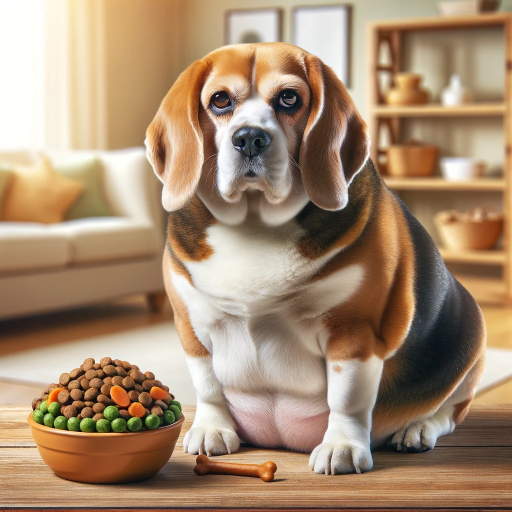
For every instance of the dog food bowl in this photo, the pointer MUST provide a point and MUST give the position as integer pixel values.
(413, 159)
(106, 458)
(461, 169)
(473, 230)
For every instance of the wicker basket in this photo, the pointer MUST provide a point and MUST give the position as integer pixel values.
(412, 160)
(469, 231)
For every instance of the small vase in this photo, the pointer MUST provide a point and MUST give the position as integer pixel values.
(407, 90)
(455, 93)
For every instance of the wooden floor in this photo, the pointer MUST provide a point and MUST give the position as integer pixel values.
(63, 327)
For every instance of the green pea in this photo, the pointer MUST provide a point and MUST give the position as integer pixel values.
(42, 407)
(176, 411)
(61, 422)
(152, 421)
(74, 424)
(54, 409)
(134, 424)
(118, 425)
(111, 413)
(38, 417)
(176, 403)
(103, 425)
(49, 419)
(161, 418)
(169, 417)
(87, 425)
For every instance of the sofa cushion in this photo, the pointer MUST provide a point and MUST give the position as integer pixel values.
(107, 238)
(27, 246)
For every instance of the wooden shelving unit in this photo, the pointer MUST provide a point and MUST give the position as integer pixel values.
(382, 116)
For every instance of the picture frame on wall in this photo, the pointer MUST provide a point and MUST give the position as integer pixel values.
(253, 26)
(325, 31)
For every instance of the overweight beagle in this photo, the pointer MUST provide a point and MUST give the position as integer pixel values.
(315, 311)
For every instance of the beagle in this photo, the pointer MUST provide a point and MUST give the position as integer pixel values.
(315, 311)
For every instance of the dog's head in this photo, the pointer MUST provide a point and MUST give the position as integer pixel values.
(257, 127)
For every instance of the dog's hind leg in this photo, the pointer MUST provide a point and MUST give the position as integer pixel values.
(422, 434)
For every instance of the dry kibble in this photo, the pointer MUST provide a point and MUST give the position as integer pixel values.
(149, 375)
(64, 380)
(96, 366)
(87, 366)
(96, 383)
(108, 381)
(89, 403)
(79, 417)
(91, 394)
(99, 407)
(117, 380)
(105, 389)
(157, 410)
(118, 362)
(110, 370)
(98, 416)
(161, 404)
(158, 384)
(121, 371)
(53, 386)
(123, 413)
(81, 378)
(167, 400)
(77, 372)
(76, 394)
(128, 383)
(74, 384)
(134, 395)
(105, 361)
(70, 411)
(137, 376)
(44, 395)
(147, 413)
(105, 400)
(90, 374)
(172, 396)
(148, 384)
(62, 407)
(139, 388)
(88, 361)
(101, 374)
(166, 388)
(78, 404)
(84, 384)
(135, 367)
(64, 397)
(34, 403)
(126, 365)
(145, 399)
(87, 412)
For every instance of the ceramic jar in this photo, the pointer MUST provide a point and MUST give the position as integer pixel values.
(455, 93)
(407, 90)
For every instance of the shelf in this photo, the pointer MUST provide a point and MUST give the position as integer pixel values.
(481, 184)
(444, 23)
(485, 290)
(492, 257)
(437, 110)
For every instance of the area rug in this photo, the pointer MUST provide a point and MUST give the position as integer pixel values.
(157, 348)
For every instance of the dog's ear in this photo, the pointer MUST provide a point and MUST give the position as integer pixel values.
(335, 144)
(174, 141)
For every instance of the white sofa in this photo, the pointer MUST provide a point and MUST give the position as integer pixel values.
(46, 267)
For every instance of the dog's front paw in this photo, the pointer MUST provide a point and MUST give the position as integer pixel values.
(210, 440)
(340, 458)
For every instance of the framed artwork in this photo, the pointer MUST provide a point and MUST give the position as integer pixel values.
(253, 26)
(325, 32)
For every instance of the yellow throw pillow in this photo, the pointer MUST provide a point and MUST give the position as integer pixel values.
(39, 195)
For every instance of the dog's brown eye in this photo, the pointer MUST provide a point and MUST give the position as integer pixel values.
(288, 99)
(221, 100)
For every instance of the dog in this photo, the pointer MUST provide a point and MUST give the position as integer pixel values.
(315, 312)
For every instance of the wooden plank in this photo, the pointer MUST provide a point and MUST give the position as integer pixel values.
(478, 185)
(493, 257)
(443, 23)
(435, 110)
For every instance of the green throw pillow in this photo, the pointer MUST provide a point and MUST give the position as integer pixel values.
(5, 178)
(91, 203)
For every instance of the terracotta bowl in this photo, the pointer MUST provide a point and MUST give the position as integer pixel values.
(106, 458)
(412, 160)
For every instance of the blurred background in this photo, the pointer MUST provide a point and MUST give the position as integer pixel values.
(82, 229)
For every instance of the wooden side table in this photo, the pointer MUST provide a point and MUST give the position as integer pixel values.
(470, 470)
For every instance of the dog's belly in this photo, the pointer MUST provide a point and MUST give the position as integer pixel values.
(277, 420)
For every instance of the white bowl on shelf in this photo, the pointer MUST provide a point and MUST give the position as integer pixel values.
(467, 7)
(461, 169)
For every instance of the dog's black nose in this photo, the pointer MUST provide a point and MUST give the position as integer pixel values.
(251, 141)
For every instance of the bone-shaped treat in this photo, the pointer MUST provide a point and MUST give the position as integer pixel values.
(205, 465)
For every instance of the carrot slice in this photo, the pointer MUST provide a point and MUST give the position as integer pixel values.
(120, 396)
(137, 410)
(52, 396)
(158, 393)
